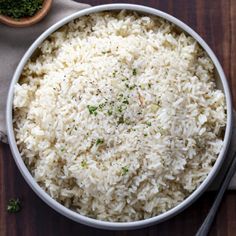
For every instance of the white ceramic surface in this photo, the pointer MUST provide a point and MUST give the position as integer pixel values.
(222, 83)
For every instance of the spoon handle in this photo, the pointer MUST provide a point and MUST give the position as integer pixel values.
(206, 225)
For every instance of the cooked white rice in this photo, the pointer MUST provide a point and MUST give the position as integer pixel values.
(119, 117)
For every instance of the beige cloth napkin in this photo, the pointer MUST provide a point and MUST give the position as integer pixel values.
(15, 41)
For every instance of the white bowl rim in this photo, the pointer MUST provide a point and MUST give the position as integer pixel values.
(74, 215)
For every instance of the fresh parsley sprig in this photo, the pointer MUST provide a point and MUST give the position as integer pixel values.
(14, 205)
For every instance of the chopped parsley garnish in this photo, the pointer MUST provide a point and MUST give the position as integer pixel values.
(20, 8)
(92, 110)
(84, 164)
(99, 141)
(121, 120)
(130, 87)
(125, 101)
(109, 112)
(102, 105)
(145, 135)
(14, 205)
(149, 85)
(134, 72)
(104, 52)
(148, 123)
(62, 149)
(125, 170)
(114, 73)
(120, 109)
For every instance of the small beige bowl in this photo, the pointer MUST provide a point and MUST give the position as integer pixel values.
(27, 21)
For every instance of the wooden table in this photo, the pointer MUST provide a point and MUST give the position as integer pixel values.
(215, 21)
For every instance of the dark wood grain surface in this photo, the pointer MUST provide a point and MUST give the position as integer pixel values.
(215, 21)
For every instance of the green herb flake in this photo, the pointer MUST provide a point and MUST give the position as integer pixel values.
(148, 123)
(121, 120)
(109, 112)
(145, 135)
(132, 87)
(124, 170)
(84, 164)
(102, 105)
(120, 109)
(125, 101)
(99, 141)
(62, 149)
(92, 110)
(149, 85)
(14, 205)
(134, 72)
(114, 73)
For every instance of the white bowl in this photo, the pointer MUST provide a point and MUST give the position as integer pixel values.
(221, 83)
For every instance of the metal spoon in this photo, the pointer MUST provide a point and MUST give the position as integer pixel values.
(206, 225)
